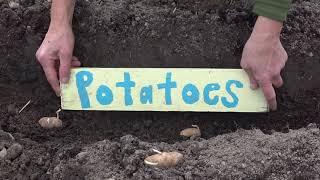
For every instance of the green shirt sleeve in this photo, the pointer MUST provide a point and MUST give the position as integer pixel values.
(273, 9)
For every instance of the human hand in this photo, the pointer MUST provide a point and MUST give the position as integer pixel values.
(264, 57)
(56, 55)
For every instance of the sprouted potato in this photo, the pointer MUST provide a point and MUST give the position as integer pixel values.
(192, 133)
(163, 159)
(51, 122)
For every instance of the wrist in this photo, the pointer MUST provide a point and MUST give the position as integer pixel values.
(59, 27)
(265, 25)
(60, 23)
(60, 20)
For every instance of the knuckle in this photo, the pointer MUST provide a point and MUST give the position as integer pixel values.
(40, 55)
(247, 46)
(275, 73)
(285, 56)
(271, 97)
(279, 79)
(65, 53)
(51, 80)
(65, 66)
(244, 65)
(280, 83)
(263, 78)
(64, 71)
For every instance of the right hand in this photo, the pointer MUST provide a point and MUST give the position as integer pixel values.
(56, 52)
(264, 57)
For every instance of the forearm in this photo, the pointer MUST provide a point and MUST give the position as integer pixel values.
(273, 9)
(62, 13)
(266, 31)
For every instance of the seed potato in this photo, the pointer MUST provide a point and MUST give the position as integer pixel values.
(164, 159)
(50, 122)
(191, 132)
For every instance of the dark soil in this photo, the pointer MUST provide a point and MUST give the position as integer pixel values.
(158, 33)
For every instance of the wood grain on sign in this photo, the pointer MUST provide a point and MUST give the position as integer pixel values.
(161, 89)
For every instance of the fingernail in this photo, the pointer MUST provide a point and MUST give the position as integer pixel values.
(64, 80)
(253, 86)
(273, 107)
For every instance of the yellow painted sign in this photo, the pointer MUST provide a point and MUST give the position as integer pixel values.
(161, 89)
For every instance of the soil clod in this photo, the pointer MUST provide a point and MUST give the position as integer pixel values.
(14, 151)
(5, 136)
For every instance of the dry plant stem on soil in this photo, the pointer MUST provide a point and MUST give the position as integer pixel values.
(57, 112)
(24, 106)
(156, 151)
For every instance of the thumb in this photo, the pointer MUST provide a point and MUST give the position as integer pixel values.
(65, 66)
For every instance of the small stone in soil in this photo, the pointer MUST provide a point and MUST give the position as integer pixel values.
(82, 156)
(13, 5)
(3, 153)
(14, 151)
(35, 176)
(40, 161)
(5, 136)
(312, 126)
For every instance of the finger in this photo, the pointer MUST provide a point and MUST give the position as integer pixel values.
(52, 78)
(75, 63)
(270, 95)
(277, 81)
(48, 66)
(65, 66)
(253, 82)
(74, 58)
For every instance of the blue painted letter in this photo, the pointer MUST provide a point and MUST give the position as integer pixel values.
(190, 94)
(146, 95)
(104, 95)
(168, 85)
(235, 101)
(127, 84)
(206, 94)
(83, 80)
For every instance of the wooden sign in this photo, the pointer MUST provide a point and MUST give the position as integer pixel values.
(161, 89)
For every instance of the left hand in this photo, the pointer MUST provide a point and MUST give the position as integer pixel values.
(264, 57)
